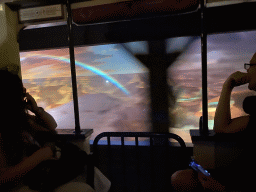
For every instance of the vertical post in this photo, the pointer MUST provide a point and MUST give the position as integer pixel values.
(204, 128)
(73, 68)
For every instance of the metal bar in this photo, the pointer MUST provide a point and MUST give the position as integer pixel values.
(137, 162)
(151, 142)
(73, 68)
(152, 164)
(136, 141)
(122, 140)
(109, 158)
(167, 162)
(123, 164)
(108, 138)
(204, 129)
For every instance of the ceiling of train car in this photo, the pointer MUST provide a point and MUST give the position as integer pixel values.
(17, 4)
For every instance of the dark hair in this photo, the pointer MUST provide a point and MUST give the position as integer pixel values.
(13, 117)
(249, 105)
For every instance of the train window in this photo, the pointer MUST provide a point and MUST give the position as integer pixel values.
(184, 78)
(47, 77)
(226, 53)
(113, 89)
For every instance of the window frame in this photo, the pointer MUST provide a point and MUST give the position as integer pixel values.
(143, 30)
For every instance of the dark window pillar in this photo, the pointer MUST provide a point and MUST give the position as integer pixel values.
(158, 62)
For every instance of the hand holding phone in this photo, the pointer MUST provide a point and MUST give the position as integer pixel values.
(207, 181)
(199, 168)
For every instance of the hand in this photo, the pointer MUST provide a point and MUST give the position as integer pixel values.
(31, 103)
(45, 153)
(210, 183)
(238, 78)
(51, 145)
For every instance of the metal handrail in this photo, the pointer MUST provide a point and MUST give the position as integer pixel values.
(155, 140)
(138, 134)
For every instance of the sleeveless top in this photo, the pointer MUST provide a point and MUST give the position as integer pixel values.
(239, 174)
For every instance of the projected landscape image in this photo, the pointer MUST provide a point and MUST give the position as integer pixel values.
(113, 88)
(226, 54)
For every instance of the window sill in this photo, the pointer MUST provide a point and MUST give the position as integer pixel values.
(215, 150)
(196, 136)
(70, 135)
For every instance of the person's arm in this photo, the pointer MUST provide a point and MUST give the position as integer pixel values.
(43, 119)
(222, 120)
(15, 173)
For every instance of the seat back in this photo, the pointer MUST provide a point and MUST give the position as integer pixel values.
(139, 161)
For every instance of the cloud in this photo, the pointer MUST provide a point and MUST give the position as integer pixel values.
(223, 50)
(233, 43)
(139, 47)
(44, 71)
(91, 57)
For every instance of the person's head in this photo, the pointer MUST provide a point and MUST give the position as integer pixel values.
(13, 118)
(11, 99)
(252, 73)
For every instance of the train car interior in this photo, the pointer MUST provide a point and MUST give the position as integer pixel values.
(130, 81)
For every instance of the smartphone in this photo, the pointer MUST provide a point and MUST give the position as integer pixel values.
(198, 168)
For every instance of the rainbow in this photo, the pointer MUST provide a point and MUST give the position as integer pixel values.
(87, 67)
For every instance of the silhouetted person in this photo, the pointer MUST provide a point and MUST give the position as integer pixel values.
(239, 174)
(17, 128)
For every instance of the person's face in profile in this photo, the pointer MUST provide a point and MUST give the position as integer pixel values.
(252, 73)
